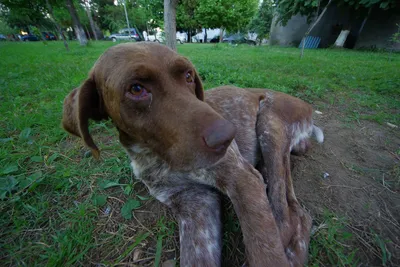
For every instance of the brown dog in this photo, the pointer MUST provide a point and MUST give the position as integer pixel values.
(182, 148)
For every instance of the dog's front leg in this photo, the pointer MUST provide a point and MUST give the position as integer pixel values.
(197, 209)
(245, 187)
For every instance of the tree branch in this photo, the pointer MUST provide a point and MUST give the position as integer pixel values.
(312, 27)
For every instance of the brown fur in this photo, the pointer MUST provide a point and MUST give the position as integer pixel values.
(167, 138)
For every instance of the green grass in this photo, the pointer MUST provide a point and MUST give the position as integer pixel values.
(327, 243)
(54, 198)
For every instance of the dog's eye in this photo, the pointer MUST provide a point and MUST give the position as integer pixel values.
(137, 89)
(189, 77)
(138, 94)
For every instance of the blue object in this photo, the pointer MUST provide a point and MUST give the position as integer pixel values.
(311, 42)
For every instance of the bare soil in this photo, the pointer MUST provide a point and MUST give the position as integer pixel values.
(363, 186)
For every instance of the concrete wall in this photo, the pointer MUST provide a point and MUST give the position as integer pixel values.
(380, 26)
(328, 28)
(289, 35)
(378, 29)
(334, 20)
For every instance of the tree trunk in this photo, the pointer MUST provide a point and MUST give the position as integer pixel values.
(312, 27)
(205, 35)
(221, 34)
(88, 33)
(170, 23)
(79, 31)
(127, 20)
(364, 21)
(50, 8)
(99, 33)
(89, 14)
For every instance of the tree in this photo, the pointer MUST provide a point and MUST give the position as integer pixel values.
(170, 23)
(232, 15)
(79, 31)
(143, 14)
(5, 28)
(185, 17)
(312, 27)
(261, 22)
(51, 12)
(310, 8)
(88, 7)
(24, 13)
(33, 14)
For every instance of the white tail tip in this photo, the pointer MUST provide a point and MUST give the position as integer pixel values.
(318, 134)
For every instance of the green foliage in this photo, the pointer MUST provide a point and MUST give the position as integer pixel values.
(6, 29)
(395, 38)
(232, 15)
(326, 244)
(23, 13)
(185, 15)
(261, 22)
(128, 207)
(99, 200)
(288, 8)
(143, 14)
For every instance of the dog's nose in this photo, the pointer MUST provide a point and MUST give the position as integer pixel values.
(219, 135)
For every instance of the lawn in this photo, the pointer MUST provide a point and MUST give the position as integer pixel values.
(59, 206)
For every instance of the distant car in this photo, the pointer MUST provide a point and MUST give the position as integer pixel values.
(3, 37)
(181, 37)
(124, 35)
(49, 36)
(238, 39)
(159, 37)
(215, 39)
(29, 37)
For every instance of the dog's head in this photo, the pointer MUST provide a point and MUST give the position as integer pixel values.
(155, 98)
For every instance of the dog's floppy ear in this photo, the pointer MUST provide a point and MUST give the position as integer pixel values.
(82, 104)
(199, 86)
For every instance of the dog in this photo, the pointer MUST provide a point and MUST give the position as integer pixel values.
(185, 146)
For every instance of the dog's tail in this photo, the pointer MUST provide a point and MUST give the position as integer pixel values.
(317, 134)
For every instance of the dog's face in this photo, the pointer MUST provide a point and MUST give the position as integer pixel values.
(155, 99)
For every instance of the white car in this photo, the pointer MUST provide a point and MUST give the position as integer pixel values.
(160, 37)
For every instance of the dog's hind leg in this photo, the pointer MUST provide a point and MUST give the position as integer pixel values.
(294, 223)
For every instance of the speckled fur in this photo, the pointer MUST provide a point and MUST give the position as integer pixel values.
(167, 156)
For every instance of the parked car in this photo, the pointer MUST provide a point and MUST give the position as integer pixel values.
(215, 39)
(181, 37)
(49, 36)
(238, 39)
(3, 37)
(29, 37)
(124, 35)
(160, 37)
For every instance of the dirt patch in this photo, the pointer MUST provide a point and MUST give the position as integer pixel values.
(363, 183)
(363, 186)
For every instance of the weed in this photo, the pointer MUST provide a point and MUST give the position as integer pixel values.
(327, 245)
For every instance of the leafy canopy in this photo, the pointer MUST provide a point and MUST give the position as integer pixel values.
(261, 22)
(233, 15)
(288, 8)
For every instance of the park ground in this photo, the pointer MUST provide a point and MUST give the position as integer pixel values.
(60, 207)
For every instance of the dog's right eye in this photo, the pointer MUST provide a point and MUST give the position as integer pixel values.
(137, 89)
(137, 92)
